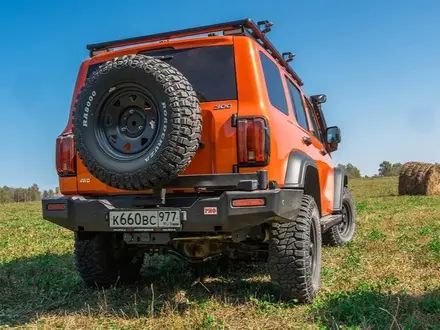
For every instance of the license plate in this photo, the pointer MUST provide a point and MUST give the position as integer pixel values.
(145, 219)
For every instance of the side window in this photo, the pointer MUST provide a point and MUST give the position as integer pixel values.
(274, 84)
(300, 113)
(315, 127)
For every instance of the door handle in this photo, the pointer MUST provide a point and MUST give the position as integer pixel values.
(307, 141)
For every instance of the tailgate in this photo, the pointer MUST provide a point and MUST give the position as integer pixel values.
(211, 71)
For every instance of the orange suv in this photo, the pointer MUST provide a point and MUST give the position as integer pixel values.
(200, 143)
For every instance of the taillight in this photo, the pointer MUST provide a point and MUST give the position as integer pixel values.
(253, 141)
(65, 155)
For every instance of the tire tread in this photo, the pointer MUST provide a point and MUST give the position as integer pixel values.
(289, 258)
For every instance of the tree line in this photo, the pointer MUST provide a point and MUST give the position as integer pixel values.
(386, 168)
(33, 193)
(30, 194)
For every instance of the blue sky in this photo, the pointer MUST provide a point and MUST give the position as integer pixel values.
(377, 61)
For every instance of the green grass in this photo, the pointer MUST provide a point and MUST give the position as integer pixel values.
(387, 278)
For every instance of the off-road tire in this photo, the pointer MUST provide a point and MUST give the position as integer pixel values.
(179, 130)
(290, 262)
(335, 236)
(98, 265)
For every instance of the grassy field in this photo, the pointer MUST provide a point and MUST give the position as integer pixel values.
(387, 278)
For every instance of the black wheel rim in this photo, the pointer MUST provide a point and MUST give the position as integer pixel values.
(128, 122)
(313, 250)
(344, 226)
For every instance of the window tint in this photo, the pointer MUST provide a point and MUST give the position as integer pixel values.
(300, 113)
(315, 127)
(274, 84)
(210, 70)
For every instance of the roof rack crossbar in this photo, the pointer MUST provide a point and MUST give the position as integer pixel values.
(166, 35)
(247, 24)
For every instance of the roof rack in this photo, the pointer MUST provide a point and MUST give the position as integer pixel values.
(240, 27)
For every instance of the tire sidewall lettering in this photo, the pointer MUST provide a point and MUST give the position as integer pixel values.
(85, 119)
(162, 135)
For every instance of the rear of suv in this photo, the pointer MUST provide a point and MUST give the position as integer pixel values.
(204, 146)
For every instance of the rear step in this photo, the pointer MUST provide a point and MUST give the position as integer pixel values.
(329, 221)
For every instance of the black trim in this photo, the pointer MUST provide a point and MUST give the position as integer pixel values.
(234, 119)
(250, 29)
(263, 181)
(296, 169)
(91, 214)
(329, 221)
(213, 181)
(66, 175)
(339, 179)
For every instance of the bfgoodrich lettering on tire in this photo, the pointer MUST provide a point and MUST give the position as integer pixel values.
(295, 254)
(137, 123)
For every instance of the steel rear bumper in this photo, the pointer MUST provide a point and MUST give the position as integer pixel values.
(79, 213)
(89, 214)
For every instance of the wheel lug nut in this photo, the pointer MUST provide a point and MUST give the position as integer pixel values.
(140, 127)
(123, 129)
(131, 112)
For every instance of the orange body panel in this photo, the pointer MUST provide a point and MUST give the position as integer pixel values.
(218, 135)
(285, 133)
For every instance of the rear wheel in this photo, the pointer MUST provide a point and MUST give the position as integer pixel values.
(103, 261)
(295, 254)
(344, 232)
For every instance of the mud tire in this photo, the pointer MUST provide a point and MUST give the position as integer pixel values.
(295, 274)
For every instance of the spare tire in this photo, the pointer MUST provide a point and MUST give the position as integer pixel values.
(137, 123)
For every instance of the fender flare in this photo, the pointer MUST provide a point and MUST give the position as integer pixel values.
(340, 181)
(296, 169)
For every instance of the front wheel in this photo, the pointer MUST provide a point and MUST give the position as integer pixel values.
(295, 254)
(341, 234)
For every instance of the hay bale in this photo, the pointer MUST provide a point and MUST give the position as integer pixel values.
(417, 178)
(405, 172)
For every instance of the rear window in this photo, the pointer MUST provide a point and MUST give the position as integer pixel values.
(210, 70)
